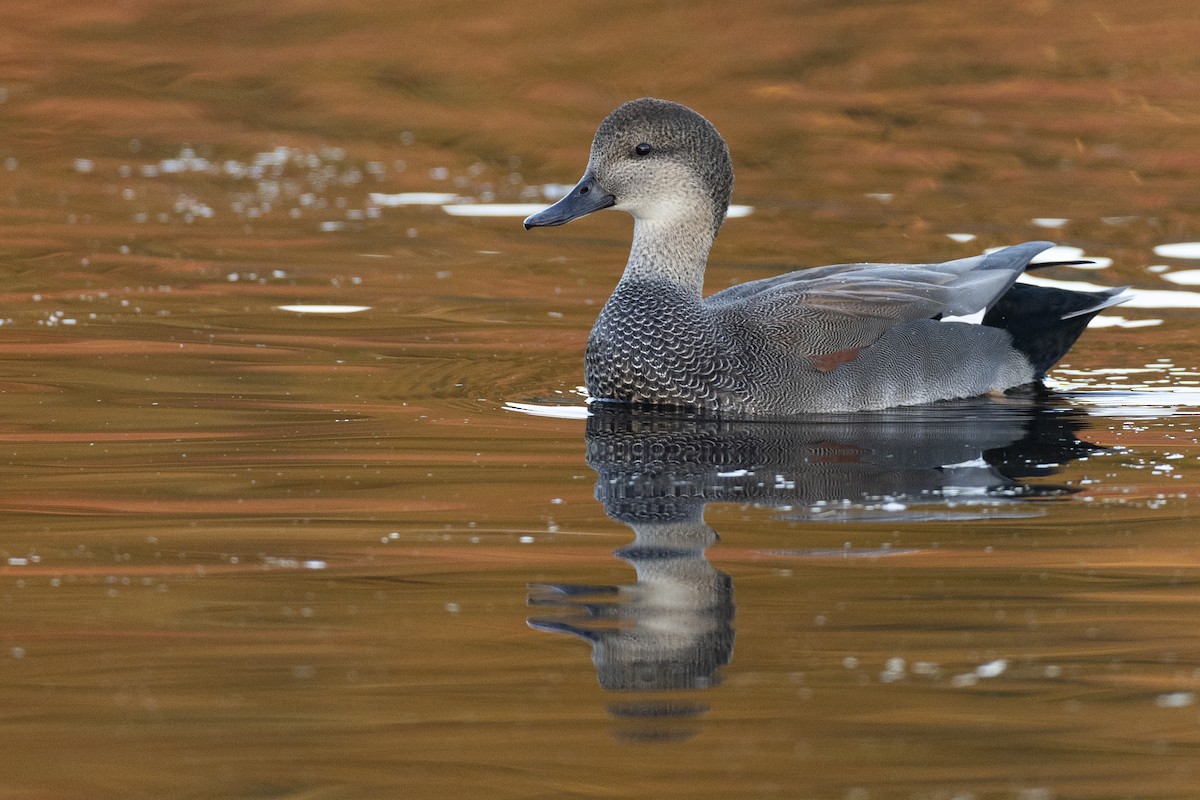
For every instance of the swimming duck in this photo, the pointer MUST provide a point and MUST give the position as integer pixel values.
(849, 337)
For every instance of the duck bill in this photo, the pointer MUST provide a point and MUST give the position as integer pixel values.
(587, 196)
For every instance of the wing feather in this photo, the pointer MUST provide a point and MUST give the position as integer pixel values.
(839, 309)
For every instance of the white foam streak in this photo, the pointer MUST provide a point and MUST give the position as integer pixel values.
(412, 198)
(323, 309)
(557, 412)
(1178, 250)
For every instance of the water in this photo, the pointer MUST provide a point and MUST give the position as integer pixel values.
(299, 496)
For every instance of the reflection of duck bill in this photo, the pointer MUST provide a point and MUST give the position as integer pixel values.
(673, 629)
(575, 599)
(542, 593)
(557, 626)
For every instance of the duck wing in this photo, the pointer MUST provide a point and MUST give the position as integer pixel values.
(830, 313)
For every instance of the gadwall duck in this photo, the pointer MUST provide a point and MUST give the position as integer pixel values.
(849, 337)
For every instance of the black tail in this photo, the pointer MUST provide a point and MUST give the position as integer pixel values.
(1044, 321)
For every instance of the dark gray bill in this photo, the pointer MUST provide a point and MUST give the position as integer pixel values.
(587, 196)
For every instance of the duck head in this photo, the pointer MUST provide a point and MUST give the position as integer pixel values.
(660, 161)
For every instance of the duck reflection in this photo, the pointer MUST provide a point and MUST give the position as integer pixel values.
(672, 629)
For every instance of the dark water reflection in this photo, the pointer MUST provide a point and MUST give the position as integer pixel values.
(673, 628)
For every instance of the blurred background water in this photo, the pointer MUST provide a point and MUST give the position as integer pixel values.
(277, 521)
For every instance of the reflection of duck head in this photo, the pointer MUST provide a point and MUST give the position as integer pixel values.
(670, 630)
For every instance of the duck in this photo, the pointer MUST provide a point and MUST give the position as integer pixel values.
(841, 338)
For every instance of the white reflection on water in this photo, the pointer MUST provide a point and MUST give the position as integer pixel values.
(1140, 404)
(1175, 700)
(1186, 277)
(846, 552)
(544, 410)
(1155, 391)
(1178, 250)
(1113, 321)
(322, 309)
(413, 199)
(493, 209)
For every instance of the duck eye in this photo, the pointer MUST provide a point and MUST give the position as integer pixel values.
(642, 149)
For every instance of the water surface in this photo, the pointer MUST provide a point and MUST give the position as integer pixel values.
(278, 521)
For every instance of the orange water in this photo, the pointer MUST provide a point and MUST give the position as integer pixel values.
(254, 552)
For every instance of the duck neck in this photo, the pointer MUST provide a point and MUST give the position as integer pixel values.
(675, 250)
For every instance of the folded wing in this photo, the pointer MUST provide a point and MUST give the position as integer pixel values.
(828, 314)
